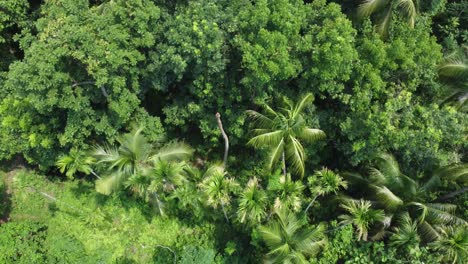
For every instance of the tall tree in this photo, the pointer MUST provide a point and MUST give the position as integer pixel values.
(252, 203)
(324, 182)
(289, 240)
(397, 194)
(218, 188)
(282, 131)
(135, 156)
(361, 216)
(287, 193)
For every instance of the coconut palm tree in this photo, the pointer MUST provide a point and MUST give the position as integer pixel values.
(284, 131)
(382, 10)
(76, 161)
(252, 203)
(218, 188)
(452, 244)
(324, 182)
(289, 241)
(134, 156)
(361, 216)
(398, 194)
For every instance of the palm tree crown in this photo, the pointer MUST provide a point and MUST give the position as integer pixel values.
(136, 158)
(75, 161)
(218, 188)
(252, 203)
(289, 241)
(398, 194)
(361, 216)
(283, 131)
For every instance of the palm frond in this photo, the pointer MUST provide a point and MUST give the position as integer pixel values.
(260, 120)
(296, 156)
(369, 7)
(410, 9)
(388, 165)
(442, 213)
(174, 151)
(275, 154)
(307, 99)
(311, 134)
(453, 69)
(387, 198)
(267, 139)
(454, 172)
(109, 184)
(383, 24)
(428, 232)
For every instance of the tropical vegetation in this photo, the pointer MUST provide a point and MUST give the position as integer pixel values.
(233, 131)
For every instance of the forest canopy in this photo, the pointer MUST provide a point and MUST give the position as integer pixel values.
(216, 131)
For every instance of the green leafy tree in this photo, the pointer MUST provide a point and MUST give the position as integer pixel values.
(324, 182)
(361, 216)
(78, 81)
(289, 240)
(392, 104)
(383, 10)
(283, 131)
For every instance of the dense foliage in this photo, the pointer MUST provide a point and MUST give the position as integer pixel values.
(344, 128)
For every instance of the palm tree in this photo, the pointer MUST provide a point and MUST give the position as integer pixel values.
(134, 156)
(405, 235)
(283, 131)
(382, 10)
(452, 244)
(252, 203)
(398, 194)
(218, 188)
(76, 161)
(287, 193)
(361, 216)
(153, 183)
(324, 182)
(453, 73)
(289, 241)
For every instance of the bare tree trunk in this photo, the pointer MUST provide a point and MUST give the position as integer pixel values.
(97, 176)
(284, 164)
(453, 194)
(310, 204)
(226, 139)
